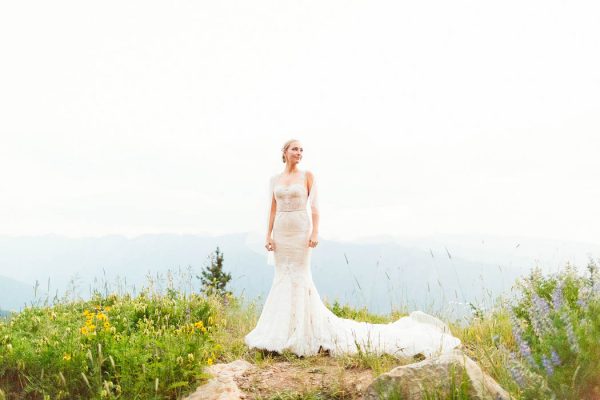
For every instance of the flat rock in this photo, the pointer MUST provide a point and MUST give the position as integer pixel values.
(223, 385)
(435, 375)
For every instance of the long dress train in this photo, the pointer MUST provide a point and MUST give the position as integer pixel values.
(294, 317)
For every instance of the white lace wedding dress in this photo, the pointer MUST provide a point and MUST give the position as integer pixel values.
(294, 317)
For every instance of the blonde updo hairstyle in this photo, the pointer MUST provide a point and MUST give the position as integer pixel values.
(286, 145)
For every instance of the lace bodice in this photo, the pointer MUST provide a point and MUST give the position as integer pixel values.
(294, 196)
(291, 197)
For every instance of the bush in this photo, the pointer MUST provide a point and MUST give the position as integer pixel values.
(109, 347)
(556, 325)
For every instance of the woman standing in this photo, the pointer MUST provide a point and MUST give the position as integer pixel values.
(293, 316)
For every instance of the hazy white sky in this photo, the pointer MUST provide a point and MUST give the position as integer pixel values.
(416, 117)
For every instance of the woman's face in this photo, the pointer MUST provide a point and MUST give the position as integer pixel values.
(294, 152)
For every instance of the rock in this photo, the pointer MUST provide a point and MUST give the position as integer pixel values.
(436, 375)
(222, 386)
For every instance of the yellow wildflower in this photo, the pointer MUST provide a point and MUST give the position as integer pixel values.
(209, 361)
(67, 357)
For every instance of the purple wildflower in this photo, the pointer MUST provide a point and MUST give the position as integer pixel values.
(524, 348)
(547, 363)
(539, 316)
(516, 371)
(570, 332)
(583, 297)
(554, 358)
(557, 296)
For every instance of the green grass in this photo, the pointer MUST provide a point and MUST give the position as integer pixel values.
(147, 347)
(542, 343)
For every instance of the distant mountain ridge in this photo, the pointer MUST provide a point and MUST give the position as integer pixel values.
(14, 294)
(430, 274)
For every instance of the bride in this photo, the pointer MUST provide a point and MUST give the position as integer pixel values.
(293, 316)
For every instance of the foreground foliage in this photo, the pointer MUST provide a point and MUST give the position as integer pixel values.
(108, 347)
(542, 342)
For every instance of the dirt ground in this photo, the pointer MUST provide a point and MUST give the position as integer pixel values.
(326, 375)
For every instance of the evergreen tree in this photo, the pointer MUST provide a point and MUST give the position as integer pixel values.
(213, 278)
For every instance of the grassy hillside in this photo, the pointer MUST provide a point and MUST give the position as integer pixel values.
(542, 343)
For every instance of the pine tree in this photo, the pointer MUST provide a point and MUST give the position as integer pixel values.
(213, 278)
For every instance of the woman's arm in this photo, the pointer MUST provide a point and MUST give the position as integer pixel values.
(314, 205)
(271, 217)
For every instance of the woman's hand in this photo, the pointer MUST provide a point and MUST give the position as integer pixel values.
(314, 240)
(270, 245)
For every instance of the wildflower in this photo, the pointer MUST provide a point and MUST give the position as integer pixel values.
(209, 361)
(516, 370)
(67, 357)
(554, 358)
(570, 332)
(102, 317)
(199, 324)
(524, 348)
(557, 296)
(540, 322)
(547, 363)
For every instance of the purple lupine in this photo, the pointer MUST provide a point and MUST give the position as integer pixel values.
(539, 316)
(547, 363)
(524, 348)
(573, 343)
(516, 370)
(557, 296)
(554, 357)
(583, 296)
